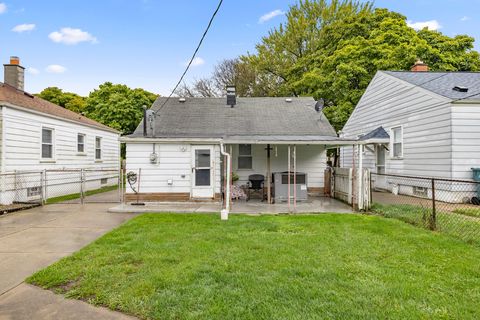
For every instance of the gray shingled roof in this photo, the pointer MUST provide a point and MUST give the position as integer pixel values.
(260, 117)
(378, 133)
(442, 83)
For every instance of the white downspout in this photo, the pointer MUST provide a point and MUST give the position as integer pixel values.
(224, 212)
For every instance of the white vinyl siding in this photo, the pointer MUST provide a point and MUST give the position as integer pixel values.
(47, 148)
(80, 143)
(174, 163)
(425, 120)
(465, 139)
(23, 143)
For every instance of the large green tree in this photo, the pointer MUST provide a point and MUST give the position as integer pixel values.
(332, 49)
(68, 100)
(118, 106)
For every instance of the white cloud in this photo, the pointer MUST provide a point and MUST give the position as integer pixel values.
(55, 68)
(197, 61)
(71, 36)
(430, 24)
(464, 18)
(270, 15)
(24, 27)
(33, 71)
(3, 7)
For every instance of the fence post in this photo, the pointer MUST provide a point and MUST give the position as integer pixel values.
(433, 221)
(45, 183)
(371, 188)
(41, 189)
(81, 186)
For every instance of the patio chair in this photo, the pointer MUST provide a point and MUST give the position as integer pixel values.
(255, 184)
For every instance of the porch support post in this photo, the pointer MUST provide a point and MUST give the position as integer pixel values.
(288, 179)
(360, 196)
(269, 177)
(228, 156)
(294, 178)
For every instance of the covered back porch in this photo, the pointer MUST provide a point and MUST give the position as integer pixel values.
(289, 175)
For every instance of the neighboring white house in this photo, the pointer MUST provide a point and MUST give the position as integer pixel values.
(184, 152)
(36, 135)
(420, 124)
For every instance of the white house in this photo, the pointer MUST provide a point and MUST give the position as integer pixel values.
(419, 123)
(190, 145)
(37, 135)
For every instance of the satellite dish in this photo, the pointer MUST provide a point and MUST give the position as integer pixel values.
(319, 105)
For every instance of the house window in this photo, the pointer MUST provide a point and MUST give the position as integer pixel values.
(397, 142)
(244, 156)
(34, 191)
(103, 180)
(47, 143)
(98, 148)
(81, 143)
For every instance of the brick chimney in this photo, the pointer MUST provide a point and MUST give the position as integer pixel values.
(14, 73)
(419, 66)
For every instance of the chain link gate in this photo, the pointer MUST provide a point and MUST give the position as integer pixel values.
(75, 186)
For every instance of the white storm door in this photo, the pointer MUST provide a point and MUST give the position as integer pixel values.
(381, 180)
(202, 172)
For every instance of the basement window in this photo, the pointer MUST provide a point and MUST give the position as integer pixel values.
(34, 191)
(245, 156)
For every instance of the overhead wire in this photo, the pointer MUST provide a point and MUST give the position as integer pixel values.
(193, 55)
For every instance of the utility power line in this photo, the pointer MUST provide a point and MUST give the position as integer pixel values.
(193, 56)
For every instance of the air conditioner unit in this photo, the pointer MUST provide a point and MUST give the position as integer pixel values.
(280, 185)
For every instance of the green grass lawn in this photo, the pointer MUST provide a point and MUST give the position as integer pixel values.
(461, 223)
(74, 196)
(167, 266)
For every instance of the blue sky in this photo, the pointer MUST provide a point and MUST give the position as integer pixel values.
(77, 44)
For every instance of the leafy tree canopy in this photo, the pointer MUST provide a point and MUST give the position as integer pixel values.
(114, 105)
(118, 106)
(332, 49)
(68, 100)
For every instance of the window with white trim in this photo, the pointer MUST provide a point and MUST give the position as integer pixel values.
(245, 156)
(80, 143)
(47, 143)
(98, 148)
(397, 142)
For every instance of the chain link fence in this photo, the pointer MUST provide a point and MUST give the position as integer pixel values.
(444, 205)
(59, 186)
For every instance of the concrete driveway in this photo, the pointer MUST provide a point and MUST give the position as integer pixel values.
(33, 239)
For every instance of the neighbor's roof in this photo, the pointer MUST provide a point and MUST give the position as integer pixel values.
(442, 83)
(250, 117)
(22, 99)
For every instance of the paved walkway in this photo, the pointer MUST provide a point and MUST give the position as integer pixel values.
(33, 239)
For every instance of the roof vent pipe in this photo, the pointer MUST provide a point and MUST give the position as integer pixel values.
(231, 96)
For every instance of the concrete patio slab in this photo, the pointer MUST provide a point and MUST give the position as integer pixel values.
(254, 206)
(33, 239)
